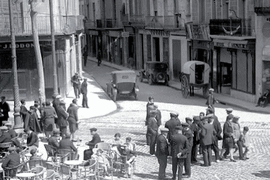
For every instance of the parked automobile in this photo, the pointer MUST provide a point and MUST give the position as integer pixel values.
(155, 72)
(123, 83)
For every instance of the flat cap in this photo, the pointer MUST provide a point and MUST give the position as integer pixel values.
(211, 89)
(196, 118)
(179, 128)
(57, 96)
(230, 116)
(188, 119)
(185, 124)
(174, 114)
(210, 110)
(246, 128)
(62, 101)
(3, 128)
(229, 110)
(12, 148)
(93, 129)
(236, 117)
(163, 129)
(150, 98)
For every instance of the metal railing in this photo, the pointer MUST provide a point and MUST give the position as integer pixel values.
(23, 26)
(164, 22)
(230, 27)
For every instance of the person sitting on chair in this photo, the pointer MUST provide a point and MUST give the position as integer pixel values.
(263, 100)
(32, 139)
(11, 131)
(101, 159)
(53, 141)
(95, 139)
(34, 155)
(5, 137)
(66, 143)
(129, 155)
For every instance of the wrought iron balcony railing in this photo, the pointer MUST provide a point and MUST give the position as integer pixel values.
(262, 7)
(23, 26)
(164, 22)
(108, 23)
(230, 27)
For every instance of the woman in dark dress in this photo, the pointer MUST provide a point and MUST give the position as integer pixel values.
(48, 116)
(73, 118)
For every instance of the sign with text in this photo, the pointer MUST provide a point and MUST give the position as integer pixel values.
(19, 45)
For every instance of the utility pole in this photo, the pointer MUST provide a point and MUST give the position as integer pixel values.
(17, 118)
(55, 84)
(41, 90)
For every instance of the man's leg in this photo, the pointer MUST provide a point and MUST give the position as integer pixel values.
(209, 154)
(240, 148)
(180, 168)
(246, 151)
(216, 149)
(86, 100)
(147, 137)
(75, 91)
(194, 153)
(162, 160)
(174, 167)
(153, 144)
(205, 155)
(187, 162)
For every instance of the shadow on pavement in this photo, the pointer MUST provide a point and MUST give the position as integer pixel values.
(263, 174)
(101, 95)
(146, 176)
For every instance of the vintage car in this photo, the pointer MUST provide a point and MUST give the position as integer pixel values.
(155, 72)
(123, 83)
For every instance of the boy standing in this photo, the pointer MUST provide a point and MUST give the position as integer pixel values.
(246, 144)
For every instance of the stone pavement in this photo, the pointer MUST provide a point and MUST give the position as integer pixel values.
(228, 100)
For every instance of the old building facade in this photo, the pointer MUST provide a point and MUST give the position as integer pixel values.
(68, 31)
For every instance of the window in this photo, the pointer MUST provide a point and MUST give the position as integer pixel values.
(202, 11)
(214, 10)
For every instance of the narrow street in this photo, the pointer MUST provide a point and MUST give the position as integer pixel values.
(129, 121)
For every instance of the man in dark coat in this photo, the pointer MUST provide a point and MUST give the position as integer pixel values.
(162, 152)
(153, 131)
(211, 100)
(84, 93)
(95, 139)
(53, 141)
(207, 133)
(66, 143)
(172, 123)
(85, 54)
(73, 118)
(23, 110)
(149, 107)
(99, 57)
(12, 160)
(4, 109)
(62, 116)
(32, 139)
(76, 81)
(196, 138)
(48, 119)
(179, 152)
(189, 135)
(34, 124)
(5, 137)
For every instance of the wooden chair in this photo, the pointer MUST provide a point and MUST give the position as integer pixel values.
(39, 172)
(89, 170)
(50, 152)
(65, 171)
(35, 163)
(66, 154)
(10, 173)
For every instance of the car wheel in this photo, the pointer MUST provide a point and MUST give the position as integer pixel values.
(150, 80)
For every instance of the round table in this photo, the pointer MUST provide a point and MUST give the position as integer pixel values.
(25, 175)
(28, 155)
(73, 162)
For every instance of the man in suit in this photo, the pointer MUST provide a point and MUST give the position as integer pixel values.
(66, 143)
(84, 93)
(4, 109)
(162, 152)
(32, 139)
(207, 133)
(149, 107)
(95, 139)
(12, 160)
(189, 135)
(62, 116)
(179, 152)
(5, 137)
(196, 138)
(152, 128)
(172, 123)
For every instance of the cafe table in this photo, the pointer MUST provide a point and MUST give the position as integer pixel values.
(25, 175)
(28, 155)
(74, 169)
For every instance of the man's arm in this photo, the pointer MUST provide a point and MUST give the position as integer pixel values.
(163, 144)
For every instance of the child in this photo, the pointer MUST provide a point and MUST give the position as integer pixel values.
(245, 139)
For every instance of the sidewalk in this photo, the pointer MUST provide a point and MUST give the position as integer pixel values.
(228, 100)
(99, 102)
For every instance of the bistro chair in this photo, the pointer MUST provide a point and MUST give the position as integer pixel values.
(10, 173)
(50, 175)
(39, 172)
(49, 151)
(34, 163)
(89, 170)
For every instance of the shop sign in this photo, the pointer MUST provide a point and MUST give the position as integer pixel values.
(125, 34)
(114, 33)
(18, 45)
(232, 45)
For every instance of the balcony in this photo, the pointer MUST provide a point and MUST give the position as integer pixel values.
(108, 23)
(230, 27)
(164, 22)
(261, 7)
(23, 27)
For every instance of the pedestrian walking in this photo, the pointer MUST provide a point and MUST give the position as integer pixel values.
(153, 131)
(73, 118)
(172, 123)
(237, 136)
(76, 81)
(189, 135)
(48, 119)
(149, 107)
(99, 57)
(207, 133)
(162, 152)
(4, 109)
(211, 100)
(34, 123)
(84, 93)
(62, 116)
(85, 54)
(245, 140)
(196, 138)
(179, 152)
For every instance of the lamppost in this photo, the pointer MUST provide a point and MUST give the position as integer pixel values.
(17, 118)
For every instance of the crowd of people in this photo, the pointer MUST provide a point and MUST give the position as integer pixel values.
(183, 141)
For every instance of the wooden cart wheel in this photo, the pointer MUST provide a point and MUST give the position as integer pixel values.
(185, 86)
(205, 91)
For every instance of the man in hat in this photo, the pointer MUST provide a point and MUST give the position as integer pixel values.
(12, 160)
(34, 124)
(53, 141)
(172, 123)
(32, 139)
(189, 135)
(196, 138)
(207, 133)
(152, 128)
(48, 119)
(95, 139)
(76, 81)
(4, 109)
(66, 143)
(211, 100)
(56, 101)
(62, 116)
(5, 137)
(229, 111)
(162, 152)
(179, 152)
(149, 107)
(84, 93)
(11, 131)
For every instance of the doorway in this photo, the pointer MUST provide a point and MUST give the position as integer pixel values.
(156, 49)
(176, 58)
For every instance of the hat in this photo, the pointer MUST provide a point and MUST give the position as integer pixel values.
(62, 101)
(56, 131)
(179, 128)
(12, 148)
(174, 114)
(8, 124)
(246, 128)
(33, 151)
(58, 97)
(236, 117)
(185, 124)
(230, 116)
(163, 129)
(150, 98)
(229, 110)
(93, 129)
(3, 128)
(210, 110)
(211, 89)
(188, 119)
(196, 118)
